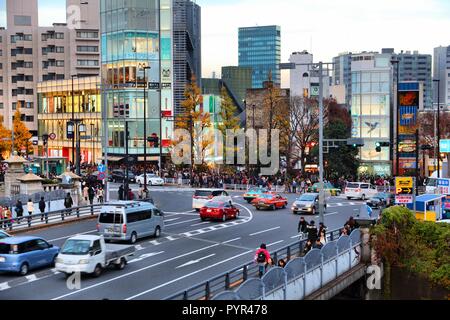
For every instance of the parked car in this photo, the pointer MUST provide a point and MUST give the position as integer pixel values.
(152, 180)
(119, 176)
(381, 200)
(307, 203)
(270, 201)
(130, 220)
(254, 193)
(202, 196)
(219, 210)
(360, 190)
(328, 187)
(90, 254)
(3, 234)
(22, 254)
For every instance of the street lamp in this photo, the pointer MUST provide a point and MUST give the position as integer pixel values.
(45, 142)
(92, 138)
(144, 66)
(438, 138)
(81, 129)
(397, 155)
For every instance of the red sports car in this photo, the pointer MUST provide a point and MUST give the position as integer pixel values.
(219, 211)
(270, 201)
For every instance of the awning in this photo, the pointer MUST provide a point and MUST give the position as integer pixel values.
(114, 159)
(141, 159)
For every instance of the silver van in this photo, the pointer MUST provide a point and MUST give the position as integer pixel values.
(129, 221)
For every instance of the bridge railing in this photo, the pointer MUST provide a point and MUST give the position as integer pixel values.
(234, 278)
(27, 221)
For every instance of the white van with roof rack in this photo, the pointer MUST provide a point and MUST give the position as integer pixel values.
(360, 190)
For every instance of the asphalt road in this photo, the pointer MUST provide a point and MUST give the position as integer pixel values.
(188, 252)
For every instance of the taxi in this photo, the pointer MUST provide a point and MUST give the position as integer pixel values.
(270, 201)
(254, 193)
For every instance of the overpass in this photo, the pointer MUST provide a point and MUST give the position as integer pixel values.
(319, 275)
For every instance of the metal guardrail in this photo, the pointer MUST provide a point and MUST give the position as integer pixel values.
(235, 277)
(48, 218)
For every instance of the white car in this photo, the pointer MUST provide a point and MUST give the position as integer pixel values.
(360, 190)
(202, 196)
(152, 180)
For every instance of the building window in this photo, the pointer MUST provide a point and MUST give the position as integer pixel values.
(1, 105)
(88, 63)
(87, 48)
(60, 63)
(60, 49)
(1, 79)
(1, 92)
(59, 35)
(29, 118)
(87, 35)
(29, 92)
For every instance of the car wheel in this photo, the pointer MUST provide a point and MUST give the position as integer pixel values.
(122, 264)
(53, 262)
(203, 219)
(24, 269)
(97, 271)
(273, 207)
(314, 211)
(249, 201)
(133, 238)
(257, 208)
(224, 218)
(157, 232)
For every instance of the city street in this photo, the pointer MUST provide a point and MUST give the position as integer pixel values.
(188, 252)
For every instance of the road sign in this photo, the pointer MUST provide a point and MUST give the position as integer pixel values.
(404, 185)
(101, 168)
(444, 146)
(52, 136)
(101, 176)
(404, 199)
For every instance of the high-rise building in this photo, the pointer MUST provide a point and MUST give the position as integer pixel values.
(342, 74)
(187, 47)
(441, 72)
(30, 54)
(130, 43)
(238, 80)
(304, 80)
(260, 49)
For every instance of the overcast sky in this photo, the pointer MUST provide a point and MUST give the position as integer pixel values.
(324, 27)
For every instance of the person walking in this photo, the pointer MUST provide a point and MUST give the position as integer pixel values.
(8, 216)
(100, 195)
(312, 231)
(91, 195)
(68, 203)
(263, 259)
(294, 186)
(30, 208)
(322, 228)
(322, 237)
(19, 211)
(42, 209)
(302, 228)
(121, 192)
(2, 218)
(318, 244)
(86, 192)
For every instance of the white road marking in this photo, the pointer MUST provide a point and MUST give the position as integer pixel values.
(138, 247)
(134, 272)
(170, 238)
(232, 240)
(145, 256)
(272, 244)
(73, 235)
(154, 242)
(31, 278)
(254, 234)
(331, 213)
(294, 237)
(199, 224)
(195, 261)
(176, 223)
(4, 286)
(172, 219)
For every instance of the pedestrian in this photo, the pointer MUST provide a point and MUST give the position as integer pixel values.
(303, 228)
(121, 192)
(262, 258)
(30, 208)
(281, 263)
(91, 195)
(42, 208)
(8, 216)
(307, 248)
(19, 211)
(322, 228)
(312, 231)
(100, 195)
(294, 186)
(322, 237)
(141, 192)
(68, 203)
(2, 218)
(302, 186)
(318, 244)
(86, 192)
(351, 224)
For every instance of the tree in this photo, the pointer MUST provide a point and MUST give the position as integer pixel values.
(5, 140)
(427, 127)
(229, 119)
(195, 121)
(22, 135)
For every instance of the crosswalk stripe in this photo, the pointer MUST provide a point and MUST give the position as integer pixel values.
(4, 286)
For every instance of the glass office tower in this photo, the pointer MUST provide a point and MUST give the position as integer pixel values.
(137, 33)
(260, 49)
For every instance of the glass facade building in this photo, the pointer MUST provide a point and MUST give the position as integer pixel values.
(137, 33)
(371, 109)
(260, 49)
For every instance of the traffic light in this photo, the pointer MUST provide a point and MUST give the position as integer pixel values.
(378, 147)
(355, 142)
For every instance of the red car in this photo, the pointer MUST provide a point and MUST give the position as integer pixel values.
(219, 211)
(270, 201)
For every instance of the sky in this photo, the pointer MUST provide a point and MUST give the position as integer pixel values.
(323, 27)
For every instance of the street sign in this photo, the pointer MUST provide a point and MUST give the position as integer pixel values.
(404, 185)
(52, 136)
(444, 146)
(101, 168)
(444, 186)
(101, 176)
(404, 199)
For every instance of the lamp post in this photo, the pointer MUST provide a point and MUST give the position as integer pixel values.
(81, 129)
(73, 119)
(92, 139)
(397, 120)
(45, 141)
(438, 138)
(145, 67)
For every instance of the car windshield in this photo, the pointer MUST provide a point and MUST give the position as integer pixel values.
(307, 197)
(266, 196)
(380, 195)
(214, 205)
(203, 193)
(255, 190)
(353, 186)
(76, 247)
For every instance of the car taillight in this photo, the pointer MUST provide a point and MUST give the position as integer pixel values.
(358, 190)
(124, 229)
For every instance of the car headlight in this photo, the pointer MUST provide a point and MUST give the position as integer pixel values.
(2, 259)
(83, 261)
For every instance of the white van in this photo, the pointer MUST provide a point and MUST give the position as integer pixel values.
(202, 196)
(130, 220)
(360, 190)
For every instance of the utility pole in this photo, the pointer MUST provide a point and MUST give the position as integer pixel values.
(73, 120)
(321, 162)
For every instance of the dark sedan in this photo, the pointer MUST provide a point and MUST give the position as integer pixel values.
(381, 200)
(119, 176)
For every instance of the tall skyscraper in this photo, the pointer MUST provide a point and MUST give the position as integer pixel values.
(187, 55)
(441, 72)
(30, 54)
(141, 38)
(260, 49)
